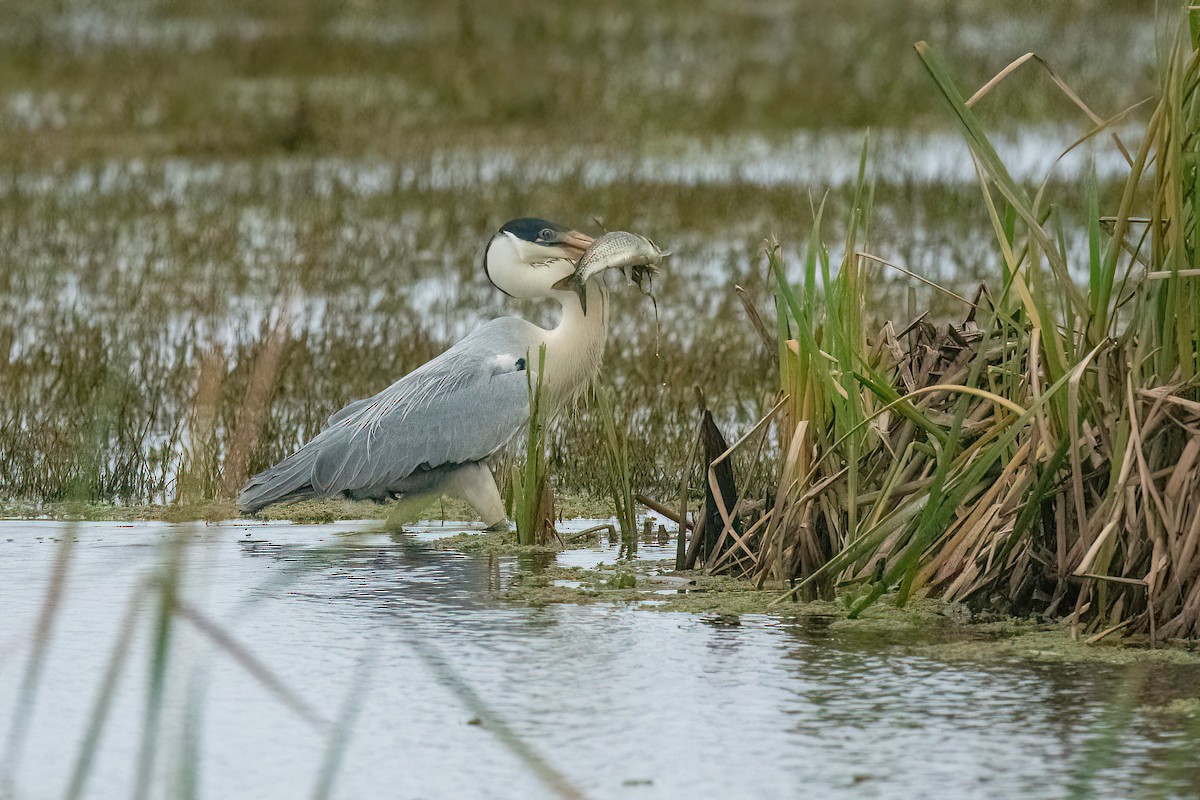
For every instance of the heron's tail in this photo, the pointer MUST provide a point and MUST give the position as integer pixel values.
(290, 479)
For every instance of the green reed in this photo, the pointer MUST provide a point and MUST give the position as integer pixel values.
(615, 435)
(531, 498)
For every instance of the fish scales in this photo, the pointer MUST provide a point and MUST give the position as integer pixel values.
(639, 256)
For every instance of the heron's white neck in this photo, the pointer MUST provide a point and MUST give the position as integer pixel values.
(575, 348)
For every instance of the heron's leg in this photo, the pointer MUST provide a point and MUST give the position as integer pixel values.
(475, 484)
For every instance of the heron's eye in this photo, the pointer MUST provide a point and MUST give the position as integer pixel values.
(546, 235)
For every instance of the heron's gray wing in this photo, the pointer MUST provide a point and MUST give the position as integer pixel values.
(433, 424)
(460, 407)
(350, 409)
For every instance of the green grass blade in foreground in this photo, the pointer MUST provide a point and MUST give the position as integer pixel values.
(551, 778)
(191, 740)
(104, 697)
(167, 586)
(339, 737)
(31, 678)
(252, 665)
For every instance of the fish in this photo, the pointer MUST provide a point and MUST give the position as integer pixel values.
(638, 257)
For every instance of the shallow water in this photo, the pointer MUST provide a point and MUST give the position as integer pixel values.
(620, 701)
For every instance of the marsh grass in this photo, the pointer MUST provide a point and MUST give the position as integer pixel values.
(615, 436)
(313, 77)
(531, 497)
(153, 207)
(1040, 455)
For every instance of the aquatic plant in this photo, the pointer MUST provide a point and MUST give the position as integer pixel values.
(615, 436)
(1039, 456)
(531, 497)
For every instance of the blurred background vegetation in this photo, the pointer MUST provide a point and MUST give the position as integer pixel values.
(180, 180)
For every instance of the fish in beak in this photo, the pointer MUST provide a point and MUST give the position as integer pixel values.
(613, 250)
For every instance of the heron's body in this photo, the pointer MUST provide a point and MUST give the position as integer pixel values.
(432, 431)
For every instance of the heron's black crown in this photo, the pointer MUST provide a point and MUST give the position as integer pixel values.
(532, 229)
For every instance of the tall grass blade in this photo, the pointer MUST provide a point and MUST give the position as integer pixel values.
(616, 445)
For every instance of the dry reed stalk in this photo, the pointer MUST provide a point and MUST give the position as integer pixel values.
(264, 378)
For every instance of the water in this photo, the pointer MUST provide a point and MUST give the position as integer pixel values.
(622, 701)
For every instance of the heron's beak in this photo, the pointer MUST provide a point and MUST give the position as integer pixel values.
(575, 242)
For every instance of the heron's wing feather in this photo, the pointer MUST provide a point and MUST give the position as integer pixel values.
(350, 408)
(382, 444)
(460, 407)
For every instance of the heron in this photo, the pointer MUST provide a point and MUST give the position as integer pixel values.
(433, 431)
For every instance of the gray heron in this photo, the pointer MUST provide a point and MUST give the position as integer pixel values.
(433, 431)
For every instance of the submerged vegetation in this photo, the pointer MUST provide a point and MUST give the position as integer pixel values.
(948, 632)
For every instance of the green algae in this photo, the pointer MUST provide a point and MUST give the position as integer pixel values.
(488, 543)
(505, 542)
(942, 631)
(555, 585)
(1179, 707)
(1053, 644)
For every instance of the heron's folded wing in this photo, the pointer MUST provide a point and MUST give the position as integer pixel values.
(426, 421)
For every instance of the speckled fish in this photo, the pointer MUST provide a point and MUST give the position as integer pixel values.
(636, 255)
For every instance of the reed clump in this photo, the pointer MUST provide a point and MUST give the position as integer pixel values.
(1039, 455)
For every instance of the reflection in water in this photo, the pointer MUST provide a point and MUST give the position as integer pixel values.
(534, 563)
(612, 697)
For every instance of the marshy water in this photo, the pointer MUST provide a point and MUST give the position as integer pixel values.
(337, 171)
(617, 700)
(179, 179)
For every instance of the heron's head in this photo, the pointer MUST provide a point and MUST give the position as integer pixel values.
(528, 256)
